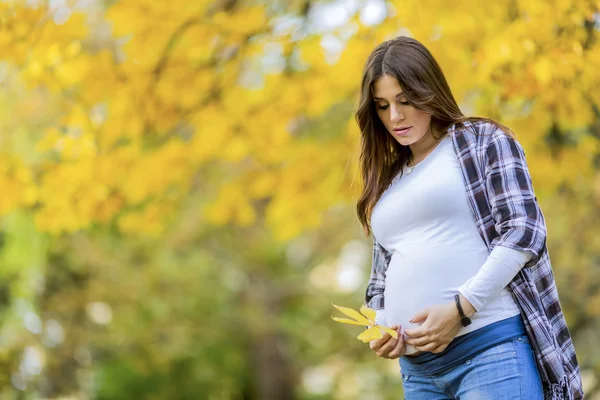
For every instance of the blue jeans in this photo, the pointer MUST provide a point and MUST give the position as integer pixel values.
(504, 372)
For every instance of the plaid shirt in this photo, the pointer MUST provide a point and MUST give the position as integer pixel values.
(506, 213)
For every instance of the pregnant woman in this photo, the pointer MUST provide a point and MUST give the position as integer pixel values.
(460, 264)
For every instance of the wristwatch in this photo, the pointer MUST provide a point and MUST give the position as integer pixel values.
(464, 320)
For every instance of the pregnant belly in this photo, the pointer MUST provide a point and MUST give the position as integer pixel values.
(417, 282)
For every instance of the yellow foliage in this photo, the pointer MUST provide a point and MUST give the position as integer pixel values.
(245, 22)
(143, 115)
(372, 333)
(149, 221)
(232, 205)
(18, 185)
(312, 53)
(366, 318)
(543, 71)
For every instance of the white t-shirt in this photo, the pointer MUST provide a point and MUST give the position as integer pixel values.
(425, 220)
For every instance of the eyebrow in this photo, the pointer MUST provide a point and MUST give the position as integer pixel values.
(379, 98)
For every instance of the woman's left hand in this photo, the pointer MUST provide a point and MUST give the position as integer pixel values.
(442, 323)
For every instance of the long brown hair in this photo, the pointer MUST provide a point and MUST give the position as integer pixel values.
(426, 89)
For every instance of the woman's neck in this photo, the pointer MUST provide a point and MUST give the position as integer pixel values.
(420, 148)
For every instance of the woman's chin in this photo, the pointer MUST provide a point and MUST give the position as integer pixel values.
(404, 141)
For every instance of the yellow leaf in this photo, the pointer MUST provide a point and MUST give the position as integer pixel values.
(354, 315)
(392, 332)
(373, 333)
(368, 312)
(347, 321)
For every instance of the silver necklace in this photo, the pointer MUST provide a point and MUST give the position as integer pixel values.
(410, 168)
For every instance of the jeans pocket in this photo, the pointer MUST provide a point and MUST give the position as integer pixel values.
(531, 381)
(522, 343)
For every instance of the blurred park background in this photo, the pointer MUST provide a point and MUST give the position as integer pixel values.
(179, 181)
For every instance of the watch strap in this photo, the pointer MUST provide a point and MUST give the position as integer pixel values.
(464, 320)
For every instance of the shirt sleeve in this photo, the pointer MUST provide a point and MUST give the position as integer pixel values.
(380, 317)
(497, 271)
(518, 219)
(374, 296)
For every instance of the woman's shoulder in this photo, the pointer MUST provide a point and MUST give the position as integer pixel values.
(482, 131)
(486, 140)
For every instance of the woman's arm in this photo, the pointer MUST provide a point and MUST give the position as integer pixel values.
(518, 219)
(501, 266)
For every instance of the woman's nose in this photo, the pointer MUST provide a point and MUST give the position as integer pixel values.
(396, 115)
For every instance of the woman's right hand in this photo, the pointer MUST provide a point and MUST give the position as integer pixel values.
(388, 347)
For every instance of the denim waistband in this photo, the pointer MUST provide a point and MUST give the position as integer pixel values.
(464, 347)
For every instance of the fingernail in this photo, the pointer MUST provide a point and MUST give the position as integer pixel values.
(411, 320)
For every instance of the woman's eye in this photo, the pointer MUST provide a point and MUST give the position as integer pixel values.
(404, 103)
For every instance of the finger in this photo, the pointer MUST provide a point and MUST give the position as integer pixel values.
(440, 348)
(420, 341)
(386, 348)
(391, 344)
(376, 344)
(399, 350)
(386, 336)
(420, 316)
(428, 347)
(416, 332)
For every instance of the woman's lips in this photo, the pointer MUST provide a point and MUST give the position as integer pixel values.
(402, 132)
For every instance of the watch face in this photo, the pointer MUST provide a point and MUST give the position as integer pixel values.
(465, 321)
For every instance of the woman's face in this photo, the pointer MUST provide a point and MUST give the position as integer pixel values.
(404, 122)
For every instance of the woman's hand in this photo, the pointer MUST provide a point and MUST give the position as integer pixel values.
(442, 323)
(388, 347)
